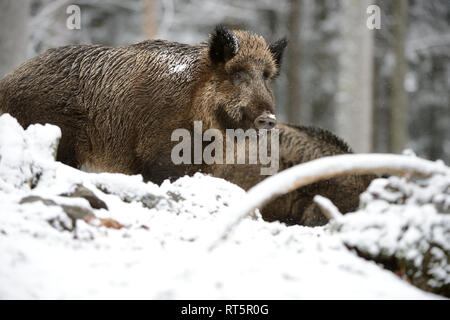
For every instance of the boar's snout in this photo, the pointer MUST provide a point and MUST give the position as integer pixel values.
(265, 121)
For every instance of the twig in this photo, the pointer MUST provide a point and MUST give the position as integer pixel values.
(327, 207)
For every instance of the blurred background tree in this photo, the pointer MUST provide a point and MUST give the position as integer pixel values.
(13, 34)
(382, 90)
(353, 105)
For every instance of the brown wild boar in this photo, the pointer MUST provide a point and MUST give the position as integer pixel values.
(117, 107)
(299, 144)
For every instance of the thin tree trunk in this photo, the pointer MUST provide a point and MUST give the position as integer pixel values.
(398, 120)
(307, 25)
(293, 63)
(13, 34)
(354, 99)
(150, 24)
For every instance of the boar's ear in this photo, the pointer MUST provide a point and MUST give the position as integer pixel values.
(223, 45)
(277, 49)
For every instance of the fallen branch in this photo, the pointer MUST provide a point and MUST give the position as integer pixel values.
(322, 169)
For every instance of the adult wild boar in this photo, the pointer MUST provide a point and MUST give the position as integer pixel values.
(117, 107)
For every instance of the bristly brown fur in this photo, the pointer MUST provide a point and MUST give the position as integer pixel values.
(117, 107)
(326, 141)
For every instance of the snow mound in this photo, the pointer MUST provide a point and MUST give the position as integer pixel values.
(24, 155)
(70, 234)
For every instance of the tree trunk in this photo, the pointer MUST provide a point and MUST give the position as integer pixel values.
(293, 63)
(150, 24)
(398, 116)
(13, 34)
(307, 32)
(354, 99)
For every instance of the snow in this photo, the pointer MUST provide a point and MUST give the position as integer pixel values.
(235, 45)
(407, 220)
(18, 167)
(161, 248)
(178, 68)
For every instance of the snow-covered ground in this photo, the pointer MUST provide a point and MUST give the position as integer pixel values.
(148, 241)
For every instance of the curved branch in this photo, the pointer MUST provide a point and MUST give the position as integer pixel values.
(329, 210)
(326, 168)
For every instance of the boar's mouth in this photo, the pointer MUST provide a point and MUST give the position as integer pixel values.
(228, 122)
(244, 120)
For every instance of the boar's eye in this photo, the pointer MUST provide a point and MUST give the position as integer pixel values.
(266, 74)
(239, 76)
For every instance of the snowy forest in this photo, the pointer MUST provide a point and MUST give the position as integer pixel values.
(374, 73)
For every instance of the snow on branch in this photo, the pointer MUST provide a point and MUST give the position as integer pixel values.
(327, 207)
(322, 169)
